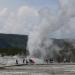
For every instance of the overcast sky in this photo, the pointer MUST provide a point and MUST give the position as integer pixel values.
(22, 17)
(14, 4)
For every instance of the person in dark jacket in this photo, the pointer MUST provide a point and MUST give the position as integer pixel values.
(23, 61)
(51, 60)
(16, 61)
(27, 61)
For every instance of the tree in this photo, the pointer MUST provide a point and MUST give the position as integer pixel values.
(13, 51)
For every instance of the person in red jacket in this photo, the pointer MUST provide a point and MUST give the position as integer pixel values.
(31, 61)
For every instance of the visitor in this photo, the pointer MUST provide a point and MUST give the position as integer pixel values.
(23, 61)
(16, 61)
(31, 61)
(27, 61)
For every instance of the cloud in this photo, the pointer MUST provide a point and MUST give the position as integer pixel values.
(68, 6)
(20, 21)
(4, 12)
(27, 11)
(63, 3)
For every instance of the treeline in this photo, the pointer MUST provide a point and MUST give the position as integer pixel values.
(13, 51)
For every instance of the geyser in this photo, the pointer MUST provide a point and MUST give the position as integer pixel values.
(39, 43)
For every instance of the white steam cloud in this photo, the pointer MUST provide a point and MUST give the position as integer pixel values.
(39, 39)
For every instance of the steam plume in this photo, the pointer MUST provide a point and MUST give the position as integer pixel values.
(49, 22)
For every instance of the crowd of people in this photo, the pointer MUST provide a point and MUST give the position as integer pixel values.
(47, 61)
(25, 61)
(58, 60)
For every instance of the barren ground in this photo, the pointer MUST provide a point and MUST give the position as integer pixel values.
(51, 69)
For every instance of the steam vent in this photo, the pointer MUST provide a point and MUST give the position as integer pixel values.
(12, 44)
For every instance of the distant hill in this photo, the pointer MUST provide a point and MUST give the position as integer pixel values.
(12, 41)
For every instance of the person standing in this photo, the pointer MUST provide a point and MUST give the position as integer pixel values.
(16, 61)
(23, 61)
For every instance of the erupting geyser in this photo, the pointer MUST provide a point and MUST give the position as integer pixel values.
(39, 40)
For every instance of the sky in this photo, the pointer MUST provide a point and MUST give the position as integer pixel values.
(22, 16)
(12, 4)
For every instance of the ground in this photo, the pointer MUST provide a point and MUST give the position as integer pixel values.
(51, 69)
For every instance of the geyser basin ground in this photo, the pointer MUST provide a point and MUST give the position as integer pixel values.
(60, 69)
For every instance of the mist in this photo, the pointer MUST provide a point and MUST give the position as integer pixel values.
(49, 22)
